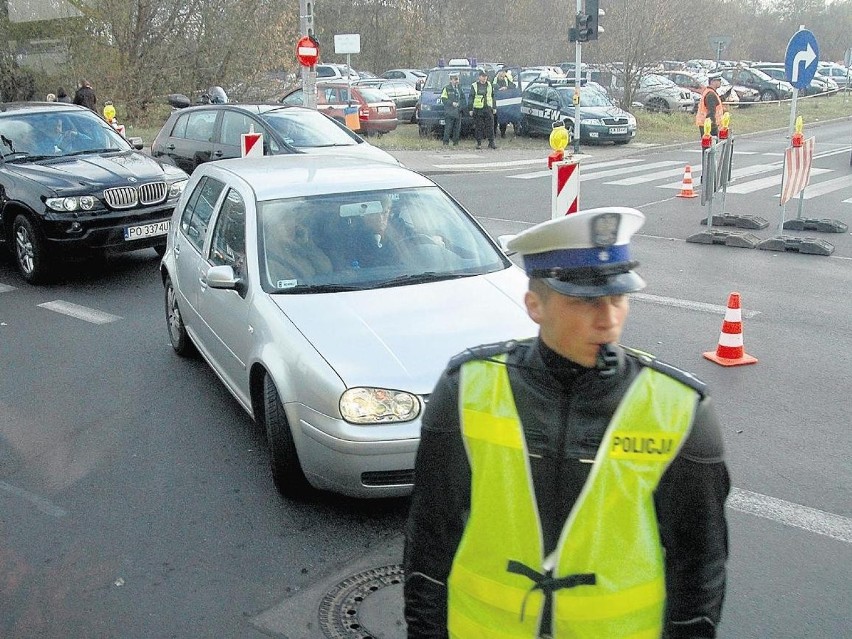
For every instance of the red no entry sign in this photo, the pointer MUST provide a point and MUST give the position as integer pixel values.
(307, 52)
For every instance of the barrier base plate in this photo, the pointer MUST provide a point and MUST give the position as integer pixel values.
(728, 238)
(812, 224)
(740, 221)
(809, 245)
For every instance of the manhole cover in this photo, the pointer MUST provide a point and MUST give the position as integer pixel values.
(367, 605)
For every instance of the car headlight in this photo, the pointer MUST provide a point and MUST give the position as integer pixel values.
(378, 406)
(631, 121)
(176, 188)
(592, 122)
(69, 204)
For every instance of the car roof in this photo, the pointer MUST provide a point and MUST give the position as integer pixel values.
(40, 107)
(278, 176)
(258, 107)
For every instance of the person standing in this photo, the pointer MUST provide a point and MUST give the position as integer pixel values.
(566, 486)
(453, 100)
(85, 96)
(710, 106)
(62, 96)
(483, 109)
(501, 83)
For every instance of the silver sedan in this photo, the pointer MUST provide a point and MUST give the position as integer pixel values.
(328, 294)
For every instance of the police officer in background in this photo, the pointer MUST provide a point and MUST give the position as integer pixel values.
(453, 100)
(483, 109)
(566, 486)
(710, 106)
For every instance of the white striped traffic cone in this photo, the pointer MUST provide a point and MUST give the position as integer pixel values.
(730, 351)
(686, 185)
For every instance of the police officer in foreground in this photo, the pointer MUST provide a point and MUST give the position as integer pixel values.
(710, 106)
(566, 486)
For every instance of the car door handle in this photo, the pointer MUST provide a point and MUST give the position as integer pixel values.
(218, 154)
(170, 147)
(202, 282)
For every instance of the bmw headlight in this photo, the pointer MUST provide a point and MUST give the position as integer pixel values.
(631, 121)
(176, 188)
(592, 122)
(69, 204)
(378, 406)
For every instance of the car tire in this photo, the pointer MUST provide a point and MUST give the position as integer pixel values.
(658, 105)
(180, 340)
(287, 474)
(423, 130)
(767, 95)
(28, 251)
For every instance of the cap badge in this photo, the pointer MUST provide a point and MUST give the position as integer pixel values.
(605, 229)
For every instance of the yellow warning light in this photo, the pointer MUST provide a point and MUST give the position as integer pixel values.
(726, 120)
(559, 138)
(109, 112)
(708, 126)
(799, 124)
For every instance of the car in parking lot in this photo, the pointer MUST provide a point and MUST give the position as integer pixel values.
(71, 186)
(373, 112)
(545, 104)
(659, 94)
(328, 294)
(697, 82)
(768, 88)
(200, 134)
(403, 94)
(818, 84)
(414, 77)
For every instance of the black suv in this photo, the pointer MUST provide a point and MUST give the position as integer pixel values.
(70, 184)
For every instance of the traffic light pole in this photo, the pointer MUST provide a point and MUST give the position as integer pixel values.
(309, 74)
(577, 73)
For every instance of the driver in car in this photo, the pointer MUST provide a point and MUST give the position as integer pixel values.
(57, 137)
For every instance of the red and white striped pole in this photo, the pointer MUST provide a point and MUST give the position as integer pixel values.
(566, 187)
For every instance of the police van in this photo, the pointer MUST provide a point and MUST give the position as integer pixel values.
(549, 103)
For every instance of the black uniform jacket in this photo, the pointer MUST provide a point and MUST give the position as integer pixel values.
(565, 410)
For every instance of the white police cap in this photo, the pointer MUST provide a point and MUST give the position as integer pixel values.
(585, 254)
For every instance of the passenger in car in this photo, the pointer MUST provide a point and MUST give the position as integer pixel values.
(291, 252)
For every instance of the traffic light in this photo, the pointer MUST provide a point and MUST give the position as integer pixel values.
(586, 26)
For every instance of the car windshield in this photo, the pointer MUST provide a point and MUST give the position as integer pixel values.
(366, 240)
(439, 78)
(56, 134)
(760, 74)
(306, 129)
(371, 95)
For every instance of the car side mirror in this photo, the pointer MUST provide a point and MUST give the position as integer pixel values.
(136, 143)
(503, 241)
(178, 101)
(224, 278)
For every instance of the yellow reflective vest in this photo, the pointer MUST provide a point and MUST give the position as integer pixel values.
(607, 574)
(482, 100)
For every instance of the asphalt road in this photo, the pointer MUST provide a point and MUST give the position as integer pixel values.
(135, 498)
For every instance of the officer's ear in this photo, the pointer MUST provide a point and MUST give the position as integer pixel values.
(534, 302)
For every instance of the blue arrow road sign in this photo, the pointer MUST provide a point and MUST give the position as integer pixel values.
(800, 63)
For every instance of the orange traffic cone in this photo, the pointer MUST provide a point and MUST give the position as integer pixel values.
(686, 185)
(730, 351)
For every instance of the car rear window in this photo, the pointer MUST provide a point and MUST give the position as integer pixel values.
(370, 94)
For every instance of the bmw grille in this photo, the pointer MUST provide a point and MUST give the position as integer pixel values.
(125, 197)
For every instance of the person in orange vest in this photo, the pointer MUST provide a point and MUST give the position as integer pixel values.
(565, 485)
(710, 106)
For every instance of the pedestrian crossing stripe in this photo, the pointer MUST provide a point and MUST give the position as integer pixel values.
(765, 183)
(80, 312)
(5, 288)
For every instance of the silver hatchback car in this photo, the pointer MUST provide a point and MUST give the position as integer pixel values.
(328, 294)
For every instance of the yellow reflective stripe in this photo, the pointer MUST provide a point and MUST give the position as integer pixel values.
(653, 633)
(493, 592)
(571, 607)
(463, 627)
(502, 431)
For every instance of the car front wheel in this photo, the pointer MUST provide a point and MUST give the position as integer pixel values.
(287, 471)
(179, 338)
(28, 251)
(768, 96)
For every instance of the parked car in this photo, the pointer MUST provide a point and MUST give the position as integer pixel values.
(658, 93)
(71, 185)
(402, 92)
(199, 134)
(817, 85)
(697, 82)
(544, 104)
(334, 355)
(412, 76)
(375, 110)
(768, 88)
(430, 111)
(841, 75)
(330, 71)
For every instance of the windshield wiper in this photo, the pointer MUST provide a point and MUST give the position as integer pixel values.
(421, 278)
(318, 288)
(23, 155)
(85, 151)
